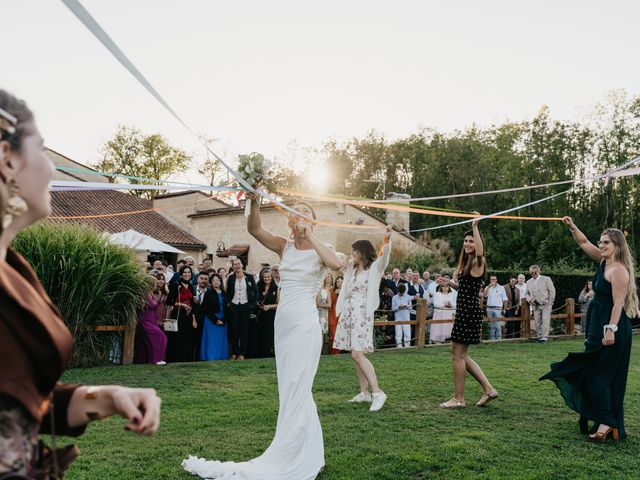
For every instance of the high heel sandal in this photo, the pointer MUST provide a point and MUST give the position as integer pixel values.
(453, 403)
(601, 437)
(487, 397)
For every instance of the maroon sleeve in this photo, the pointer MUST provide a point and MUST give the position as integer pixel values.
(62, 394)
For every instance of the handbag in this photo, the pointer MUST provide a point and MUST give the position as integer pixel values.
(170, 325)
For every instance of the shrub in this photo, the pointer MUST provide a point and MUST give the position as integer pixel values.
(418, 262)
(92, 281)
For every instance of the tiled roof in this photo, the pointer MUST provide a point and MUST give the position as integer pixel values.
(81, 172)
(214, 212)
(180, 194)
(105, 202)
(234, 250)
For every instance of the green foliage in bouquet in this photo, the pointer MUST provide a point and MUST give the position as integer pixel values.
(255, 170)
(92, 281)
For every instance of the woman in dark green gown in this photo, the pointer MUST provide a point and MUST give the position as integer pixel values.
(593, 382)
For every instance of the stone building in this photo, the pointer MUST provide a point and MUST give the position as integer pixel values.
(203, 226)
(223, 228)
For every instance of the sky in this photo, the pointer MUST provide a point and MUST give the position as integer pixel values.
(265, 75)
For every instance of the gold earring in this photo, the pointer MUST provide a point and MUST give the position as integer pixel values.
(16, 205)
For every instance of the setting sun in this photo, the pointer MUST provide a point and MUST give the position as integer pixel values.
(317, 177)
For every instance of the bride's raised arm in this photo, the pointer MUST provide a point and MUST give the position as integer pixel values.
(327, 255)
(273, 242)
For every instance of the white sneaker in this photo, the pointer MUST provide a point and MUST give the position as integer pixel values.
(378, 401)
(361, 398)
(161, 362)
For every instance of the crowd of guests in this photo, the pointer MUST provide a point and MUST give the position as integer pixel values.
(400, 293)
(202, 313)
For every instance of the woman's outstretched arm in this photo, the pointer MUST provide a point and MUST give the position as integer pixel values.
(582, 240)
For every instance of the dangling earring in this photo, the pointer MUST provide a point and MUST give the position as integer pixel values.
(16, 205)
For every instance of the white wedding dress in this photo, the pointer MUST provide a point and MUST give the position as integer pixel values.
(297, 449)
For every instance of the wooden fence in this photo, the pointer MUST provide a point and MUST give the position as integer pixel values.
(127, 344)
(421, 322)
(422, 312)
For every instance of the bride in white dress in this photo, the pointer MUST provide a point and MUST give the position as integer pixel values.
(297, 449)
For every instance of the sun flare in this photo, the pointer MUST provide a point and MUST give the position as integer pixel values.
(317, 177)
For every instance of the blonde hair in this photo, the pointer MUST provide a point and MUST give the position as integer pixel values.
(622, 254)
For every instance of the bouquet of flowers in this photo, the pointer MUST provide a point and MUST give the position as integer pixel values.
(254, 169)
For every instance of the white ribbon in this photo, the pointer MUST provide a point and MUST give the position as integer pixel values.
(94, 27)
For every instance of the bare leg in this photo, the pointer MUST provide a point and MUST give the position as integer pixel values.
(367, 370)
(364, 384)
(476, 372)
(458, 356)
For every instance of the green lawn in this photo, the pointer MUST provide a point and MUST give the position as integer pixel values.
(227, 410)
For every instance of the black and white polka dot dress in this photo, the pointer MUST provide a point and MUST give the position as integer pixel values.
(468, 322)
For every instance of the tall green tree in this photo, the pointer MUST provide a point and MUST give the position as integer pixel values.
(133, 154)
(513, 154)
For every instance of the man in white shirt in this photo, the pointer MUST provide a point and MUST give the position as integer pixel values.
(400, 305)
(241, 298)
(540, 294)
(496, 306)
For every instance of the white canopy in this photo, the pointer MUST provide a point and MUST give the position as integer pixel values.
(141, 242)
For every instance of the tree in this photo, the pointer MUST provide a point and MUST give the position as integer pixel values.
(135, 155)
(211, 166)
(513, 154)
(286, 177)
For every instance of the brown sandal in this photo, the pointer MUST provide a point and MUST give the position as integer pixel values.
(601, 437)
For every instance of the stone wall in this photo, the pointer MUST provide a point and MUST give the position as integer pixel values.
(231, 229)
(177, 208)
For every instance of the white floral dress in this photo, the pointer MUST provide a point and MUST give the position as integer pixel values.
(355, 330)
(323, 313)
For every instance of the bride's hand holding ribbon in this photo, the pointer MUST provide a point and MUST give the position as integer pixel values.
(303, 229)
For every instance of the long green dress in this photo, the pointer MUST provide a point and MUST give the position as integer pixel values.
(593, 382)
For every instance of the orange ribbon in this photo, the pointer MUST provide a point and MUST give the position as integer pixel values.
(399, 208)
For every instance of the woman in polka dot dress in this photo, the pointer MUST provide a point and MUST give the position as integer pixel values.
(468, 279)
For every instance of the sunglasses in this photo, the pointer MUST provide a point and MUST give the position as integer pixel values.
(604, 242)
